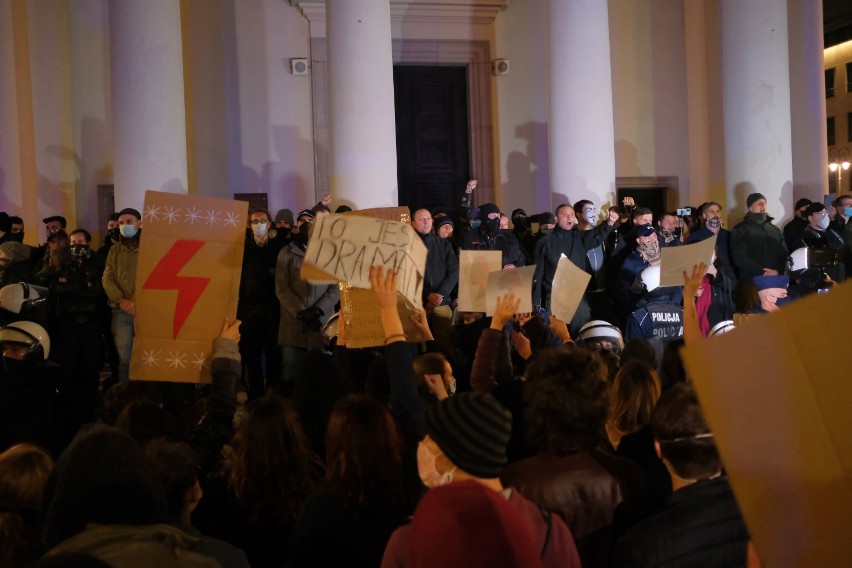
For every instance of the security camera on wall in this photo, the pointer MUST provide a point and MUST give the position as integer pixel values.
(300, 66)
(500, 67)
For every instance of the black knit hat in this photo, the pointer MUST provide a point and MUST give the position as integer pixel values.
(472, 429)
(446, 220)
(754, 197)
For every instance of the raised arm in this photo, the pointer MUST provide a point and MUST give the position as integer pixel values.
(483, 373)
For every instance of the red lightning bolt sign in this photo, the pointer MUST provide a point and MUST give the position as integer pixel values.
(165, 277)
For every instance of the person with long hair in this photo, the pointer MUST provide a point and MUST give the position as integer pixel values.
(362, 498)
(272, 473)
(24, 470)
(632, 398)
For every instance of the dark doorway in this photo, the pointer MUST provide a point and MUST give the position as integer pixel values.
(432, 154)
(654, 198)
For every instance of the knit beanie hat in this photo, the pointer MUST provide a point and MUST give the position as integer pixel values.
(754, 197)
(284, 215)
(472, 429)
(15, 251)
(441, 221)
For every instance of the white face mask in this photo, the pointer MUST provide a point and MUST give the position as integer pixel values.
(427, 469)
(590, 214)
(823, 222)
(259, 230)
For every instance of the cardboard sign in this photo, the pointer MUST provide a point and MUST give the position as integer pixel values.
(569, 285)
(187, 283)
(517, 281)
(677, 260)
(474, 268)
(363, 327)
(777, 395)
(342, 248)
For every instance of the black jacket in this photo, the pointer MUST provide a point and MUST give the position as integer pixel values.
(756, 245)
(504, 241)
(257, 281)
(572, 244)
(700, 526)
(442, 267)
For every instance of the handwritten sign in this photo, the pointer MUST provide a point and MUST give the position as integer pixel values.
(363, 329)
(777, 401)
(474, 268)
(185, 286)
(342, 248)
(517, 281)
(569, 285)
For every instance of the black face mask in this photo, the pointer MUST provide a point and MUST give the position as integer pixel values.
(492, 226)
(115, 233)
(81, 251)
(521, 224)
(17, 237)
(302, 236)
(283, 231)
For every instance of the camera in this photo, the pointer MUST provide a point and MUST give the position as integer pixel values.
(684, 212)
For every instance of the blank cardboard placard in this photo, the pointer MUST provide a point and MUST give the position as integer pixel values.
(185, 286)
(777, 394)
(474, 268)
(569, 285)
(674, 261)
(342, 248)
(517, 281)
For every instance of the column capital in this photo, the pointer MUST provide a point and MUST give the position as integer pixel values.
(422, 11)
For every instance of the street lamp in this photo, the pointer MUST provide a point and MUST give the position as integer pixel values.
(839, 162)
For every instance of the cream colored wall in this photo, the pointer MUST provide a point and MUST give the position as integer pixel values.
(649, 90)
(521, 107)
(841, 103)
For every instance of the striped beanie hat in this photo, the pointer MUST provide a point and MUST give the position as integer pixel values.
(472, 429)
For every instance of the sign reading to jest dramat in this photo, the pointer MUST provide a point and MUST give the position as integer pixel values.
(342, 248)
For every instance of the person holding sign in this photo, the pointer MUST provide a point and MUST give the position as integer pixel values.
(564, 240)
(489, 236)
(305, 307)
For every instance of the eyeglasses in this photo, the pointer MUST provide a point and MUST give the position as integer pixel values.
(259, 222)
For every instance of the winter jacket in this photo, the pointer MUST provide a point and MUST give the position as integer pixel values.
(442, 268)
(756, 245)
(295, 295)
(700, 526)
(504, 241)
(119, 277)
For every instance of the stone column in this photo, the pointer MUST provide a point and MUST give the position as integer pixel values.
(362, 129)
(756, 82)
(149, 115)
(582, 138)
(807, 100)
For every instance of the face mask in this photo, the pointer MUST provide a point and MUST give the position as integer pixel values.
(428, 471)
(4, 262)
(452, 388)
(114, 233)
(666, 234)
(283, 231)
(714, 222)
(757, 217)
(823, 222)
(781, 301)
(475, 224)
(847, 212)
(590, 215)
(17, 237)
(492, 227)
(15, 366)
(79, 250)
(650, 251)
(302, 236)
(259, 230)
(128, 231)
(520, 224)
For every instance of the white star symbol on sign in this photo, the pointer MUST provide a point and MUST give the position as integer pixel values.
(199, 360)
(152, 212)
(171, 214)
(151, 358)
(193, 215)
(212, 217)
(176, 359)
(231, 219)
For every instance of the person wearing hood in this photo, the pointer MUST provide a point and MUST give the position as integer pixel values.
(489, 236)
(119, 282)
(757, 246)
(564, 240)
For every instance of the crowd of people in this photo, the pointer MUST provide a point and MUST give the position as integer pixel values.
(509, 440)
